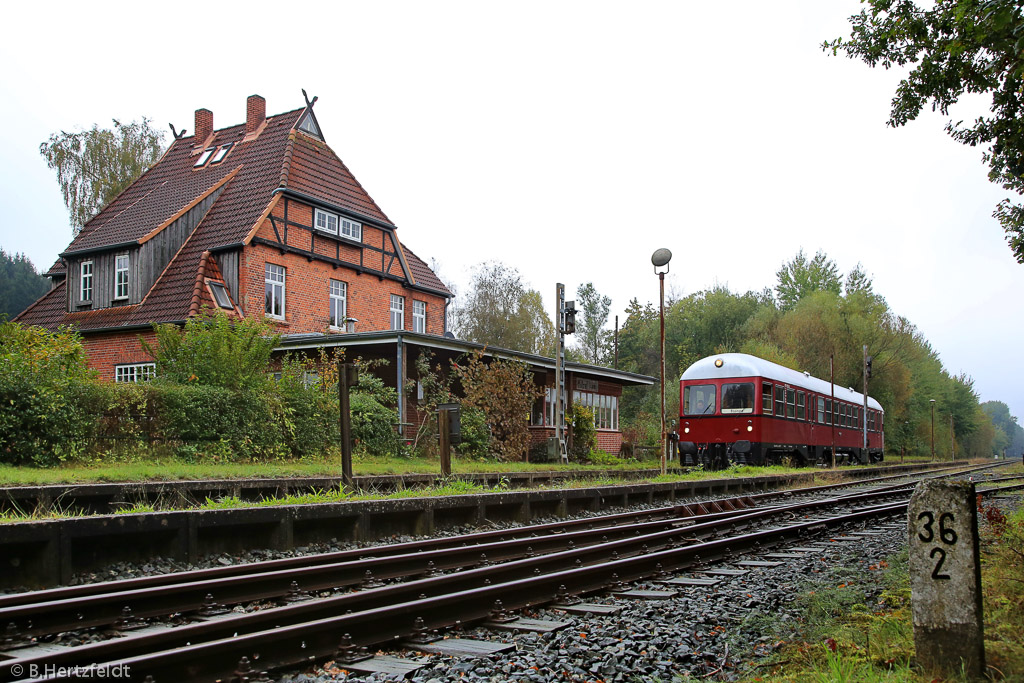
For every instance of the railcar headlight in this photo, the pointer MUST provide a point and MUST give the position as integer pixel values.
(686, 430)
(750, 427)
(718, 362)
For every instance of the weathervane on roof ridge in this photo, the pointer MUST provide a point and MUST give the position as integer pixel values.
(309, 103)
(176, 134)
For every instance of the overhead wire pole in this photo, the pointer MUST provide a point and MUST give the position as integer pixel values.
(867, 374)
(933, 429)
(952, 441)
(832, 408)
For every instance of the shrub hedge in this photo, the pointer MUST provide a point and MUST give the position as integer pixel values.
(52, 408)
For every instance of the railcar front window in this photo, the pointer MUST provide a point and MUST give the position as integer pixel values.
(699, 399)
(738, 398)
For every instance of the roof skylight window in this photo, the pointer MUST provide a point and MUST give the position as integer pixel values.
(220, 295)
(204, 157)
(221, 153)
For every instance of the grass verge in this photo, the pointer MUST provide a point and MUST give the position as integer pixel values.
(861, 630)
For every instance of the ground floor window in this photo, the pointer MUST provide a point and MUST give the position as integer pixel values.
(606, 408)
(543, 413)
(136, 372)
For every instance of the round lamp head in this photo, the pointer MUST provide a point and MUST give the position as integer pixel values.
(661, 258)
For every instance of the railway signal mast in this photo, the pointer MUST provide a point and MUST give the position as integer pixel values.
(565, 317)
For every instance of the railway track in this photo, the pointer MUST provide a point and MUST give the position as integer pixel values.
(488, 573)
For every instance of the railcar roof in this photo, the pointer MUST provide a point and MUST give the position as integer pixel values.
(745, 365)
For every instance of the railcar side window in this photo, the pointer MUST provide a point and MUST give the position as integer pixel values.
(790, 403)
(821, 410)
(835, 413)
(699, 399)
(828, 411)
(842, 415)
(766, 398)
(780, 400)
(800, 401)
(738, 398)
(856, 417)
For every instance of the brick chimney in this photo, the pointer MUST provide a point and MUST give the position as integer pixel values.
(204, 125)
(255, 113)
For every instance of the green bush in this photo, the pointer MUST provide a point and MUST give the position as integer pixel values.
(584, 434)
(476, 436)
(219, 423)
(373, 425)
(310, 405)
(43, 380)
(596, 457)
(215, 350)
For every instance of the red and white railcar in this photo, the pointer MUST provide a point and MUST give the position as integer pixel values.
(735, 407)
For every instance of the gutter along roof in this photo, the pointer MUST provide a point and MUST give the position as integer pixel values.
(296, 342)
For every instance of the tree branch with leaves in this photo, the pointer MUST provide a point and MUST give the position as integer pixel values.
(96, 165)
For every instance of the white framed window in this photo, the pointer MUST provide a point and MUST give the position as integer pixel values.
(204, 157)
(337, 225)
(328, 222)
(274, 279)
(397, 312)
(419, 316)
(85, 291)
(121, 276)
(351, 229)
(338, 303)
(135, 372)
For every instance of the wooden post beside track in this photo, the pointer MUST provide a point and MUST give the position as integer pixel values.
(348, 373)
(444, 429)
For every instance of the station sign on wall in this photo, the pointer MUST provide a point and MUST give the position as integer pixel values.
(587, 385)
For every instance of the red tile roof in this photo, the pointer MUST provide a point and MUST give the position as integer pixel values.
(331, 182)
(279, 156)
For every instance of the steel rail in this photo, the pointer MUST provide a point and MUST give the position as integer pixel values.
(53, 613)
(87, 611)
(466, 598)
(690, 509)
(658, 541)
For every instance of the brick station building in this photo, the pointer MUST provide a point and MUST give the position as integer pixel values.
(264, 219)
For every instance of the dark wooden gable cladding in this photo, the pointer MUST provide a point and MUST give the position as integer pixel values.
(146, 261)
(292, 231)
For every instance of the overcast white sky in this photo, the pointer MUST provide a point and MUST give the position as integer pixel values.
(568, 139)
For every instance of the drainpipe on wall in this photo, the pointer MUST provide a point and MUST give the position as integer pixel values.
(400, 384)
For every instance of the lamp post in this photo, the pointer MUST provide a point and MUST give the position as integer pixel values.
(933, 429)
(660, 259)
